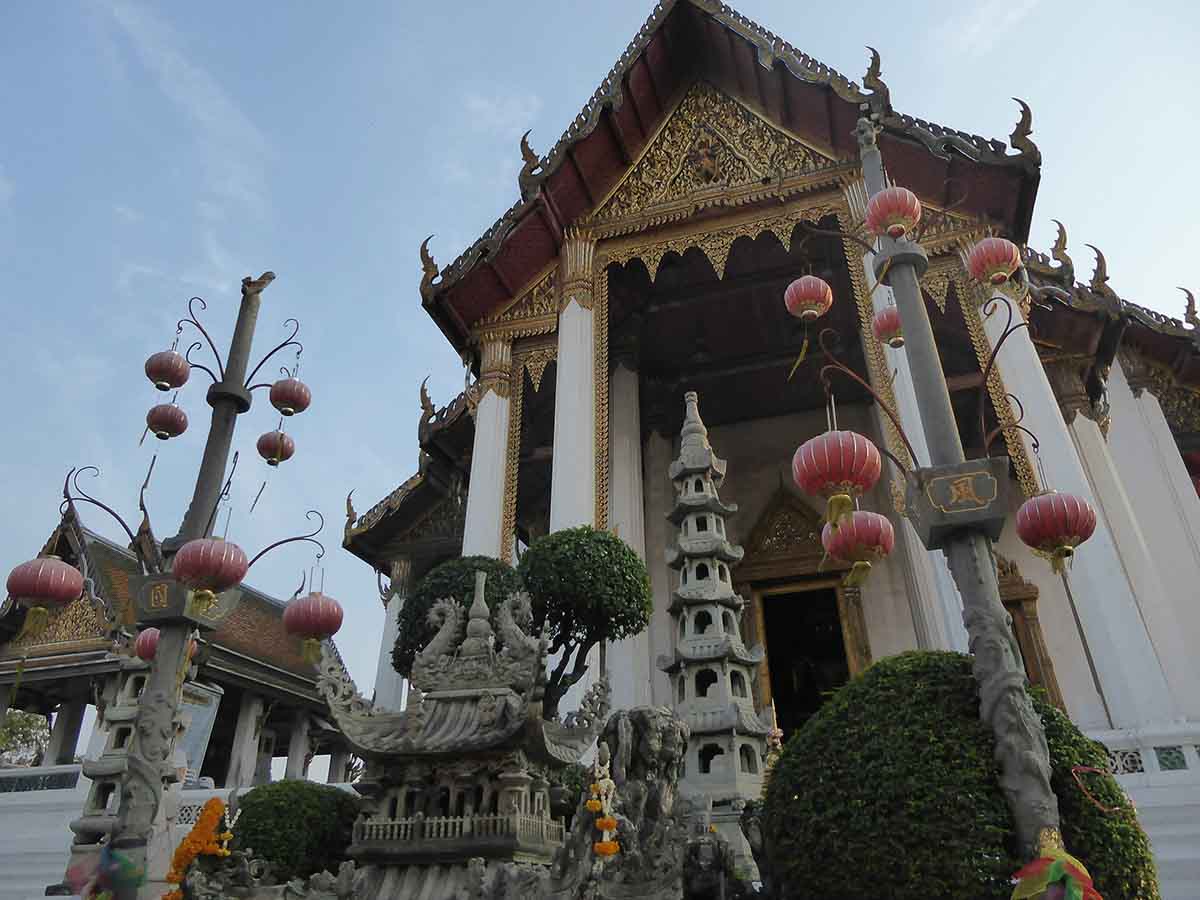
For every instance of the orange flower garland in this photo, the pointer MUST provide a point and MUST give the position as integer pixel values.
(606, 823)
(603, 790)
(203, 840)
(605, 848)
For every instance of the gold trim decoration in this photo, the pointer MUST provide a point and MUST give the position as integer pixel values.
(600, 361)
(936, 283)
(533, 312)
(535, 362)
(577, 277)
(854, 629)
(711, 151)
(715, 239)
(968, 298)
(512, 458)
(878, 372)
(495, 369)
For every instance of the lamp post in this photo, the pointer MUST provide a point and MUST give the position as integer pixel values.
(1004, 703)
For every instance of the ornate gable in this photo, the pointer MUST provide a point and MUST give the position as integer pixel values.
(711, 151)
(786, 540)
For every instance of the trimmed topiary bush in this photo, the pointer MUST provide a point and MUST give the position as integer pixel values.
(891, 790)
(453, 578)
(300, 827)
(589, 586)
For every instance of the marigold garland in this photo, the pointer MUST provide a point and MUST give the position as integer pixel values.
(203, 840)
(606, 823)
(594, 805)
(605, 848)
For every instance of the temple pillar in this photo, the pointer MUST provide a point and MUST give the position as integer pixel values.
(339, 760)
(243, 757)
(64, 735)
(390, 686)
(298, 746)
(573, 477)
(6, 694)
(660, 496)
(1103, 585)
(485, 494)
(936, 606)
(629, 662)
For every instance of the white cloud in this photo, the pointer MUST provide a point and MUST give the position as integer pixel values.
(131, 272)
(127, 214)
(977, 29)
(505, 114)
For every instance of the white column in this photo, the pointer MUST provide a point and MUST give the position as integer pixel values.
(629, 662)
(933, 597)
(1130, 674)
(573, 476)
(64, 734)
(391, 687)
(659, 495)
(1147, 475)
(338, 761)
(298, 745)
(244, 756)
(485, 493)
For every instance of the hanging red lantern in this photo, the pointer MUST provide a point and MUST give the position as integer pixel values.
(1191, 459)
(168, 370)
(166, 420)
(993, 260)
(1054, 524)
(837, 465)
(276, 447)
(886, 326)
(894, 211)
(146, 644)
(290, 396)
(44, 583)
(808, 297)
(209, 566)
(862, 538)
(315, 618)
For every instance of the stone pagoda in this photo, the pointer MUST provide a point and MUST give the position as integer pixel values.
(711, 669)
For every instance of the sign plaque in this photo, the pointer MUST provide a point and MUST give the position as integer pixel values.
(161, 599)
(971, 495)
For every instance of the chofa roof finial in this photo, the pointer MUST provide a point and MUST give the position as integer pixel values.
(881, 98)
(429, 269)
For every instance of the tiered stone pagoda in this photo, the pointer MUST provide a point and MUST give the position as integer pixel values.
(461, 774)
(711, 669)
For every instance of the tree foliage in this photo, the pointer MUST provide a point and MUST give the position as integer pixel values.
(24, 738)
(891, 790)
(453, 578)
(300, 827)
(589, 586)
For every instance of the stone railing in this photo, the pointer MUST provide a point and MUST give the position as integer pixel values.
(40, 778)
(525, 828)
(1164, 753)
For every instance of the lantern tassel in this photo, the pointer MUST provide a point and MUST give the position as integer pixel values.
(311, 651)
(803, 354)
(858, 574)
(838, 507)
(1060, 558)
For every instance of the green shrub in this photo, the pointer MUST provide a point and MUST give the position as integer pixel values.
(453, 578)
(300, 827)
(891, 790)
(589, 586)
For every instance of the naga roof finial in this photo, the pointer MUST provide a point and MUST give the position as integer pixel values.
(427, 408)
(881, 97)
(1059, 252)
(1099, 282)
(1019, 139)
(1189, 313)
(429, 269)
(525, 179)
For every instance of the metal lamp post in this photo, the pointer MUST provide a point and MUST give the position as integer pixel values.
(1004, 703)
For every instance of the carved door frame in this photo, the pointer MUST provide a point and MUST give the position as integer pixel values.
(784, 556)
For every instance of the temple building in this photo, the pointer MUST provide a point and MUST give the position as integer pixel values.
(251, 698)
(647, 257)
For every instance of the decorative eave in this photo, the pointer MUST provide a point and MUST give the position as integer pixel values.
(690, 595)
(686, 504)
(713, 547)
(699, 651)
(681, 41)
(736, 717)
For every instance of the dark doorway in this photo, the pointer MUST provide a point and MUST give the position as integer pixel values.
(805, 652)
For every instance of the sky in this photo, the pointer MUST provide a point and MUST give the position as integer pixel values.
(152, 152)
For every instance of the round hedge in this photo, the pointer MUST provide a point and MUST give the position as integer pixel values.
(891, 790)
(453, 578)
(300, 827)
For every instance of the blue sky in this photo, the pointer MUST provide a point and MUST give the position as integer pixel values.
(154, 151)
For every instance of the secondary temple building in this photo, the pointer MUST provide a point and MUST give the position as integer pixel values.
(647, 257)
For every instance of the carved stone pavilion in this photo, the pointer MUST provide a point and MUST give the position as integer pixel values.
(461, 774)
(647, 255)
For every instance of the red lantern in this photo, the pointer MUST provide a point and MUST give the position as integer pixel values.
(209, 566)
(290, 396)
(894, 211)
(1192, 461)
(168, 370)
(862, 538)
(993, 260)
(276, 447)
(146, 645)
(314, 618)
(886, 326)
(838, 465)
(808, 297)
(1054, 524)
(166, 420)
(40, 583)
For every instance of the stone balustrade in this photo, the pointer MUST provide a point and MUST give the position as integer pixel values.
(525, 828)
